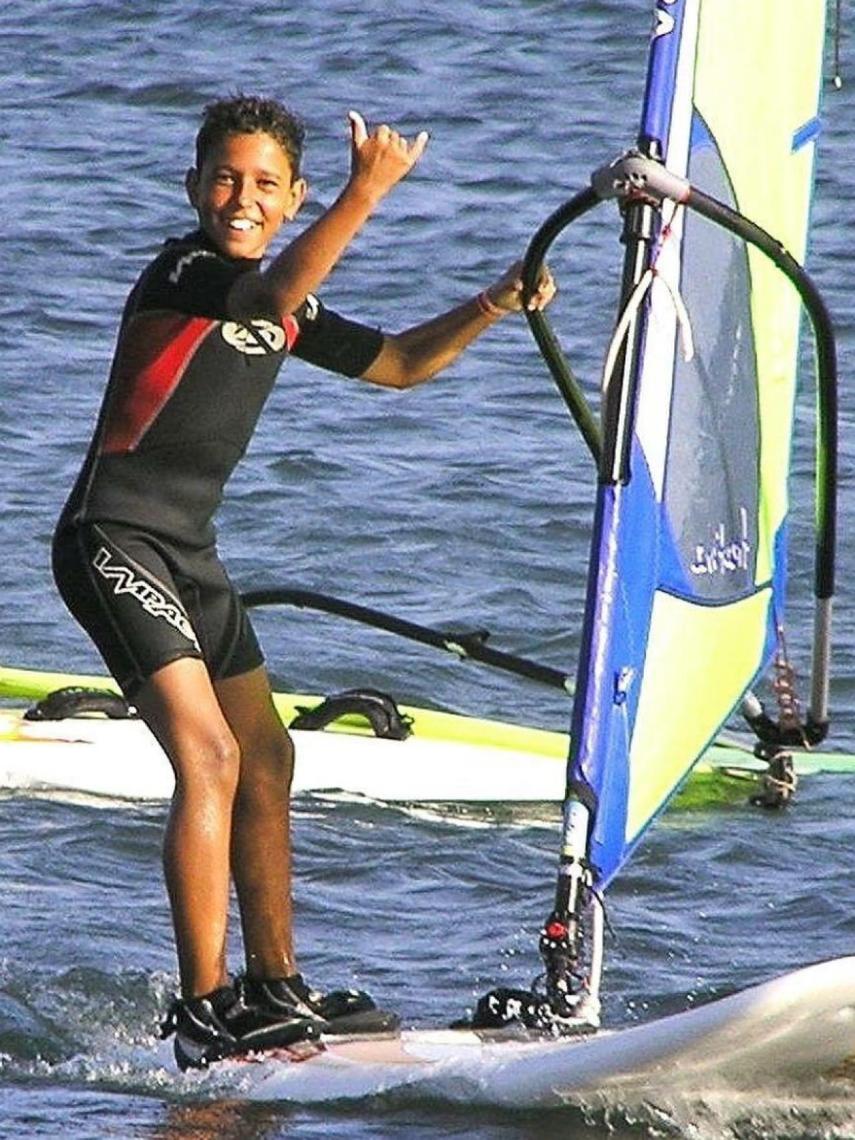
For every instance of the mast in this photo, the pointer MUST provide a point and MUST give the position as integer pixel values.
(573, 994)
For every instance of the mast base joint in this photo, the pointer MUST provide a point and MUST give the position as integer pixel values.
(778, 783)
(527, 1012)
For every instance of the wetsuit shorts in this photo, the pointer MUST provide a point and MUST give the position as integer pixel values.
(146, 600)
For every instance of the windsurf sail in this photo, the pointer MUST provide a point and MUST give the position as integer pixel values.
(687, 573)
(688, 567)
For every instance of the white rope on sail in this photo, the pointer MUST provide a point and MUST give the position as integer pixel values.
(644, 285)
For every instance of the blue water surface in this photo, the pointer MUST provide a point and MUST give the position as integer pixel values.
(463, 503)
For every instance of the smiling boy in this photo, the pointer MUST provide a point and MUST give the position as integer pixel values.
(204, 333)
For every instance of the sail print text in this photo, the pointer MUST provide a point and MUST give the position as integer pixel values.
(724, 554)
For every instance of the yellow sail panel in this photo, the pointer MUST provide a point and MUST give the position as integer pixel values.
(679, 708)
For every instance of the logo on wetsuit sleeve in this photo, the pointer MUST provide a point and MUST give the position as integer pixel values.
(255, 338)
(153, 601)
(187, 260)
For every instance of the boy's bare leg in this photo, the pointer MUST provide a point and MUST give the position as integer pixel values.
(179, 705)
(261, 840)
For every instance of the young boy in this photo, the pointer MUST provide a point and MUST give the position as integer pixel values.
(204, 333)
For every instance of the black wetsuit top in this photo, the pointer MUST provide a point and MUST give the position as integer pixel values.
(186, 390)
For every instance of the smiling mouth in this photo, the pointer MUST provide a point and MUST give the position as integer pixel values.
(242, 225)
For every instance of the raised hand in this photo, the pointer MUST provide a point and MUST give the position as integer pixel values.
(382, 158)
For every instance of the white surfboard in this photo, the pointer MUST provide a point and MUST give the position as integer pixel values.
(793, 1031)
(121, 759)
(447, 763)
(447, 758)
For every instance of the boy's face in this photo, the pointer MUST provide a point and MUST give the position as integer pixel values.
(244, 192)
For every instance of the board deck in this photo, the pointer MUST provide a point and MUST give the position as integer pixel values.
(789, 1032)
(121, 760)
(448, 758)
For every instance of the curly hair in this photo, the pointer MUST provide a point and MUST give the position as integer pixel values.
(246, 115)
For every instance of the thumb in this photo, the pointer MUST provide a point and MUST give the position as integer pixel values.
(358, 130)
(418, 147)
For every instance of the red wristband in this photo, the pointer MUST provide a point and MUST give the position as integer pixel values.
(488, 306)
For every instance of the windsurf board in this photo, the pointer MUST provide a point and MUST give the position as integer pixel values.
(793, 1031)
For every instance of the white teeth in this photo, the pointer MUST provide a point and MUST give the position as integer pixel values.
(241, 224)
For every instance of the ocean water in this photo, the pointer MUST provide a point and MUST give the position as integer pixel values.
(463, 503)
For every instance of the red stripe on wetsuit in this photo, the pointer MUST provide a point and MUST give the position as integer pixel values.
(149, 366)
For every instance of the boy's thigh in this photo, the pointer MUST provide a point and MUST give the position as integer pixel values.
(146, 603)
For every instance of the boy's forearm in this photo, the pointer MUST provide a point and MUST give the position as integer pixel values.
(410, 357)
(415, 355)
(378, 162)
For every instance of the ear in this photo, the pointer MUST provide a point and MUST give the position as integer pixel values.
(299, 190)
(191, 185)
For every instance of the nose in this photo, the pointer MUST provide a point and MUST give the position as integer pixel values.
(243, 191)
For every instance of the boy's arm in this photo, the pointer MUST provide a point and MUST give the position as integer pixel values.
(415, 355)
(378, 162)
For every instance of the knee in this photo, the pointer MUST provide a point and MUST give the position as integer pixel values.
(209, 766)
(267, 766)
(277, 760)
